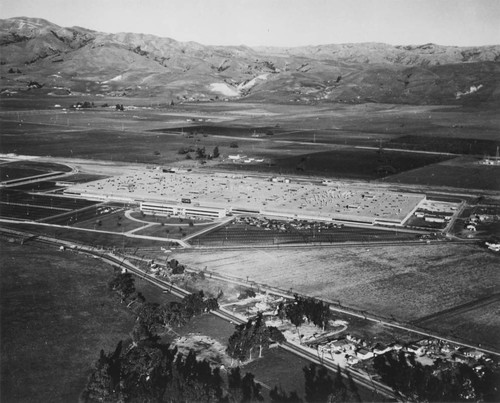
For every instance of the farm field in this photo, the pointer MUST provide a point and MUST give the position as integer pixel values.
(463, 172)
(19, 205)
(344, 163)
(102, 133)
(404, 282)
(479, 323)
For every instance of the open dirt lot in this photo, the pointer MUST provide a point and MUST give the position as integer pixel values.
(406, 282)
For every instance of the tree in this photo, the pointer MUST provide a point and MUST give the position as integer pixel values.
(149, 315)
(123, 284)
(215, 153)
(104, 382)
(179, 269)
(295, 314)
(416, 382)
(173, 263)
(261, 333)
(276, 335)
(251, 335)
(140, 332)
(172, 314)
(194, 304)
(243, 389)
(201, 153)
(339, 393)
(211, 304)
(281, 313)
(136, 298)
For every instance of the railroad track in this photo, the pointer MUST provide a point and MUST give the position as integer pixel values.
(362, 379)
(122, 262)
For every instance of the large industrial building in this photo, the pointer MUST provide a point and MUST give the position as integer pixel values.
(217, 195)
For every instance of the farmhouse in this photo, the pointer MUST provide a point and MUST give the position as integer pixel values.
(219, 194)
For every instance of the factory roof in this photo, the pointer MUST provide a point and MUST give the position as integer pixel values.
(336, 201)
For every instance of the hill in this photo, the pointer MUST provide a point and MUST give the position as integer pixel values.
(41, 56)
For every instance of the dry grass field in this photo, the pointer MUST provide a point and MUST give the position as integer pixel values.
(406, 282)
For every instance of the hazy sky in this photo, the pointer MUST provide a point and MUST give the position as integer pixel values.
(279, 22)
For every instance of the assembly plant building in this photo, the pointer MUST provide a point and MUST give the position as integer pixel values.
(220, 194)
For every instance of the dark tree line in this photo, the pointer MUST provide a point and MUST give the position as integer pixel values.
(153, 316)
(154, 372)
(123, 284)
(436, 383)
(251, 337)
(314, 311)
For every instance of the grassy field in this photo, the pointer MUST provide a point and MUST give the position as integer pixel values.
(24, 169)
(115, 222)
(168, 231)
(406, 282)
(56, 315)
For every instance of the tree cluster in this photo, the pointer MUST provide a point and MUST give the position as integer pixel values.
(437, 383)
(246, 293)
(254, 334)
(314, 311)
(200, 152)
(123, 284)
(153, 316)
(175, 266)
(154, 372)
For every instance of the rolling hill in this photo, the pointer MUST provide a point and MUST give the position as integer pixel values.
(36, 53)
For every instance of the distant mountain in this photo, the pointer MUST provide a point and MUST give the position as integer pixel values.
(35, 52)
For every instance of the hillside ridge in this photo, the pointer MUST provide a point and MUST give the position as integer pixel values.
(75, 59)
